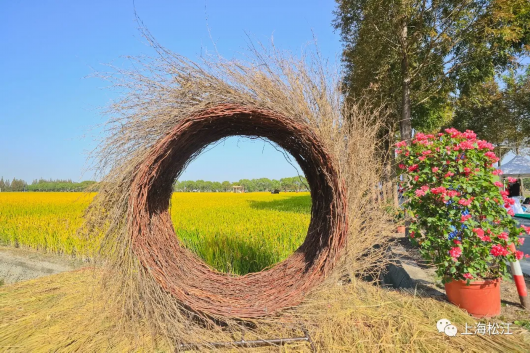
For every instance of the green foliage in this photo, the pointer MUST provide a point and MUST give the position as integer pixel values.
(59, 185)
(523, 323)
(437, 50)
(14, 185)
(297, 183)
(459, 222)
(19, 185)
(500, 115)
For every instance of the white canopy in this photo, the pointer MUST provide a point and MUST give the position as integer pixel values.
(518, 167)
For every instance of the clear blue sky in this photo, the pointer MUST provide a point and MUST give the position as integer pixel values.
(49, 111)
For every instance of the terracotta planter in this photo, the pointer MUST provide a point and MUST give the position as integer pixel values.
(480, 298)
(401, 229)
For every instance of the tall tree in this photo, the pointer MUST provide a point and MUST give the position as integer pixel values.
(412, 55)
(500, 115)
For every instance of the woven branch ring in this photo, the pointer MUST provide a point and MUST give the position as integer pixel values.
(187, 278)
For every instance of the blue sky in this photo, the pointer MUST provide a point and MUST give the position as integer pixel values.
(50, 111)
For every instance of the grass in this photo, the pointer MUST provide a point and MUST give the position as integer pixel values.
(235, 233)
(523, 323)
(68, 312)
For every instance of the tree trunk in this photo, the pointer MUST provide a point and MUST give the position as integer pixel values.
(405, 124)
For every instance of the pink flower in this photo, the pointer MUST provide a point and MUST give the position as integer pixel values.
(466, 145)
(455, 252)
(504, 193)
(484, 145)
(412, 234)
(407, 153)
(419, 192)
(398, 151)
(478, 231)
(435, 169)
(498, 184)
(426, 152)
(438, 190)
(503, 236)
(491, 156)
(498, 250)
(511, 180)
(468, 275)
(416, 177)
(510, 212)
(401, 144)
(401, 166)
(519, 255)
(452, 193)
(456, 241)
(422, 158)
(469, 135)
(421, 136)
(413, 168)
(464, 202)
(497, 172)
(453, 132)
(464, 218)
(520, 241)
(449, 174)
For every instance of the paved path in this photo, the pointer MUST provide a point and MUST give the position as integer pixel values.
(20, 264)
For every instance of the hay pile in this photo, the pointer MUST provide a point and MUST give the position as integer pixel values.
(172, 110)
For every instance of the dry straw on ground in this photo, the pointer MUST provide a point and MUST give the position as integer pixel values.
(173, 109)
(69, 312)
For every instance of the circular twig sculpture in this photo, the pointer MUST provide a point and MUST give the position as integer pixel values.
(172, 110)
(187, 278)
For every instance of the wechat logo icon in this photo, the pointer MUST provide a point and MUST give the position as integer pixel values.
(445, 326)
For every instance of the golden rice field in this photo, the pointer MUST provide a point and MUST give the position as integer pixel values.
(237, 233)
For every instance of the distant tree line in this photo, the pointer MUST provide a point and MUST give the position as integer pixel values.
(17, 185)
(250, 185)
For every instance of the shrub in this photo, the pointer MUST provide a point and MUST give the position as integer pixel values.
(460, 219)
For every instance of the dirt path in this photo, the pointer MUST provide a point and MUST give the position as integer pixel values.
(21, 264)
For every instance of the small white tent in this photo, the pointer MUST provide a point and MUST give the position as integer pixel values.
(518, 167)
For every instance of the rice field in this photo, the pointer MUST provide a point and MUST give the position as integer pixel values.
(235, 233)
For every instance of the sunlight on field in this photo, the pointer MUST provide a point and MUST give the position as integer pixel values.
(44, 221)
(236, 233)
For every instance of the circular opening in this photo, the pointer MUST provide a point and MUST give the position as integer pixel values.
(255, 220)
(186, 277)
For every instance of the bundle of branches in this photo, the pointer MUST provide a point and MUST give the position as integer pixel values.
(172, 110)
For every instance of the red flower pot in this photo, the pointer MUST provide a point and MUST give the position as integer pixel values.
(401, 229)
(480, 298)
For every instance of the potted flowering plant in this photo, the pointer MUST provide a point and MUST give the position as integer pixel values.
(460, 217)
(399, 218)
